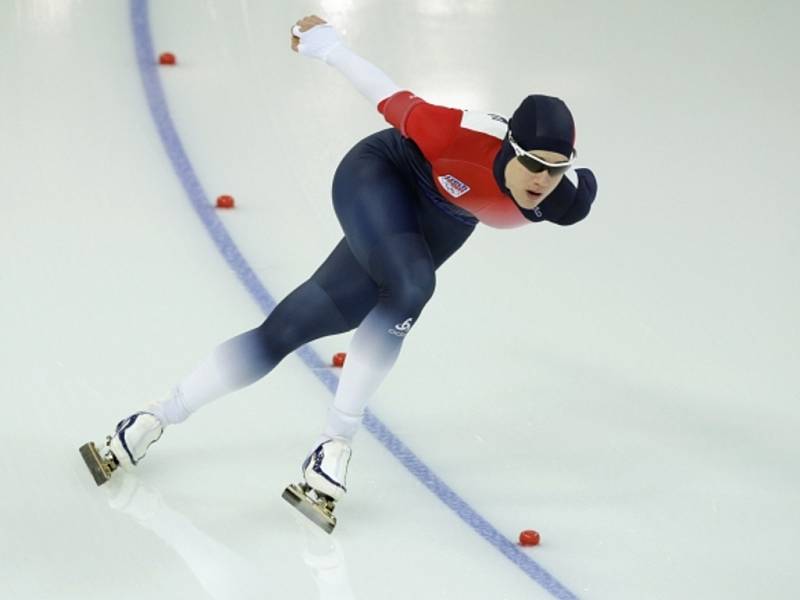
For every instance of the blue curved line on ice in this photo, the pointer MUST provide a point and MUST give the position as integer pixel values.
(173, 146)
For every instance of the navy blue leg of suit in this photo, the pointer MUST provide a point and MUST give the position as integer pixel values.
(394, 241)
(378, 277)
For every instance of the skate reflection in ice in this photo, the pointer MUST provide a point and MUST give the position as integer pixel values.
(323, 554)
(224, 574)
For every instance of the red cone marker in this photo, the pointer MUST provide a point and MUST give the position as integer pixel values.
(225, 202)
(529, 537)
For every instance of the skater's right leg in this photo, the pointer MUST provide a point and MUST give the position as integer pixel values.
(333, 300)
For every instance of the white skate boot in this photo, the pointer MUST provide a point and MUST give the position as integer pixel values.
(325, 469)
(325, 474)
(128, 445)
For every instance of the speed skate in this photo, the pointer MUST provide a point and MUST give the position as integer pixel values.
(100, 466)
(129, 444)
(324, 474)
(314, 505)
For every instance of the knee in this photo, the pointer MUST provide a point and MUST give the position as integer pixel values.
(410, 292)
(422, 287)
(278, 337)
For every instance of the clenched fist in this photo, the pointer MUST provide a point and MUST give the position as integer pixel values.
(313, 36)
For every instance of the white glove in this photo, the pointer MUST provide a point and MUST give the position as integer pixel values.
(318, 42)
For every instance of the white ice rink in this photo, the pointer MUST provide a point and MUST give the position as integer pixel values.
(626, 386)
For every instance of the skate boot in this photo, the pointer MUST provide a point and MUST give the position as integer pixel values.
(125, 448)
(325, 474)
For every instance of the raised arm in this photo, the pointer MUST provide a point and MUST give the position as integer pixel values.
(431, 127)
(314, 37)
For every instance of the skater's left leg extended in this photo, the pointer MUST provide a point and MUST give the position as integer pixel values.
(399, 239)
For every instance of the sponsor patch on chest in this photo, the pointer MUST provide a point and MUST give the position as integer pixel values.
(453, 186)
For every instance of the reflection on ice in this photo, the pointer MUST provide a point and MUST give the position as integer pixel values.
(223, 573)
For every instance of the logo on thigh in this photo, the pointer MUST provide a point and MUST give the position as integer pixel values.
(401, 329)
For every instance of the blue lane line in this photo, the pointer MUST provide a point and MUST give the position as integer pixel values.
(173, 146)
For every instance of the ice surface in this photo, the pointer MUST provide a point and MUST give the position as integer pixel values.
(626, 386)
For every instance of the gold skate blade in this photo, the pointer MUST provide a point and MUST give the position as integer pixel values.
(99, 467)
(316, 511)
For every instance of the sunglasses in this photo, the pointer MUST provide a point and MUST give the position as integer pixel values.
(534, 164)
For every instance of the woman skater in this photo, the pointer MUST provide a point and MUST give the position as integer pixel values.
(407, 198)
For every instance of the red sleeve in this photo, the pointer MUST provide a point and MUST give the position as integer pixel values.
(431, 127)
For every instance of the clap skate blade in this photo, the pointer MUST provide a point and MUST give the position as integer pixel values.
(316, 507)
(100, 467)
